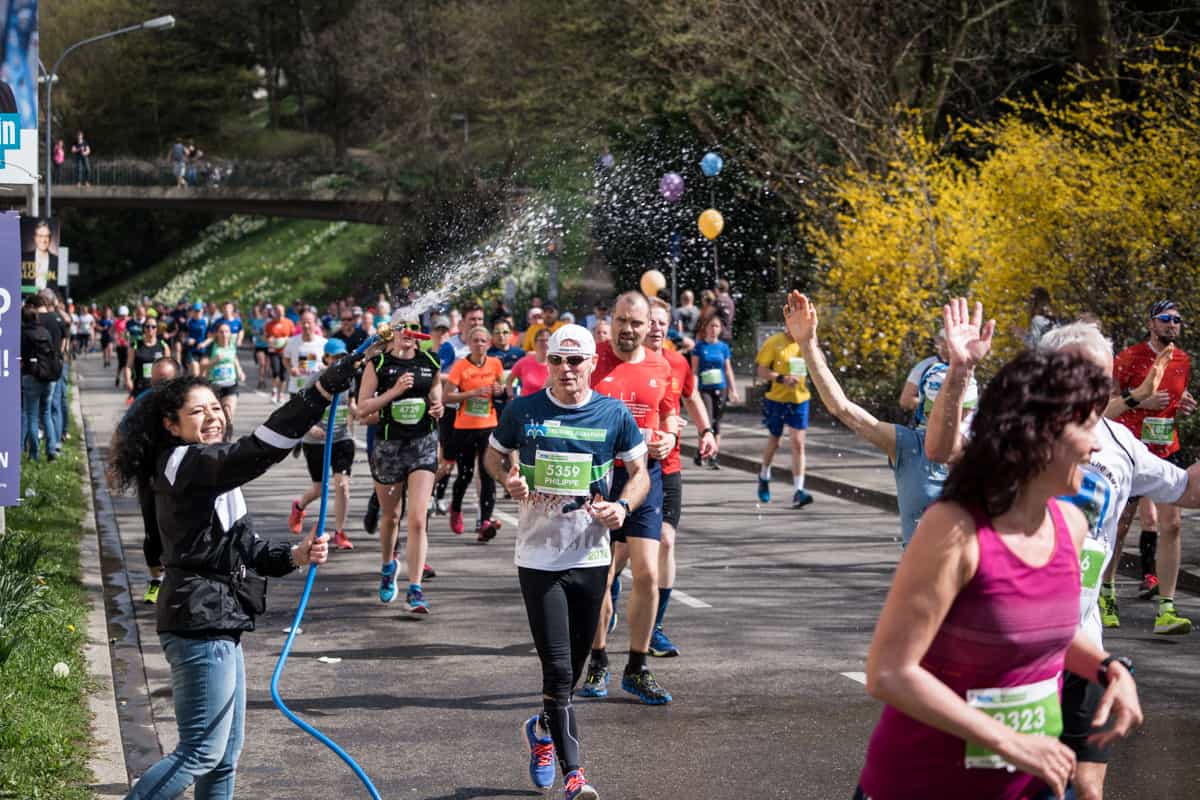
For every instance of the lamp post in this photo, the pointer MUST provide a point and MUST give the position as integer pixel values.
(466, 123)
(156, 24)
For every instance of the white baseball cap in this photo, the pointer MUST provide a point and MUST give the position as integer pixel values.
(584, 345)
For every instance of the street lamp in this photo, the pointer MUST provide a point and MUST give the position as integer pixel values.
(466, 123)
(156, 24)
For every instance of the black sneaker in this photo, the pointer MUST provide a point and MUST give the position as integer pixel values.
(801, 498)
(371, 517)
(643, 685)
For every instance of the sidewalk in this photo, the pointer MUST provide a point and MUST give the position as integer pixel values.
(841, 464)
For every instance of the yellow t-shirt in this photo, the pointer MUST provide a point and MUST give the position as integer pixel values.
(531, 334)
(781, 354)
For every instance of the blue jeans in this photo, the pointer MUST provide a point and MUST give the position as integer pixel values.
(209, 680)
(36, 400)
(61, 414)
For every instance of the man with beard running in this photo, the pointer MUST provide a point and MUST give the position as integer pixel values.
(641, 379)
(1121, 467)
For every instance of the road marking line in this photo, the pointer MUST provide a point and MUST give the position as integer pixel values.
(676, 594)
(860, 677)
(505, 517)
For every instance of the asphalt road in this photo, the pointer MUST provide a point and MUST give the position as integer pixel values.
(778, 609)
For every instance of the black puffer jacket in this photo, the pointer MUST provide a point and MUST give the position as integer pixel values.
(209, 543)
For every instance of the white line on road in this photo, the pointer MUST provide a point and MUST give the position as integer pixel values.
(861, 677)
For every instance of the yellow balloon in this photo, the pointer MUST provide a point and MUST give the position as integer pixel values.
(653, 282)
(711, 223)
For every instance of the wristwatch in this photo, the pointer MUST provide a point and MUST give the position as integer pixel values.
(1102, 672)
(623, 503)
(709, 429)
(1130, 400)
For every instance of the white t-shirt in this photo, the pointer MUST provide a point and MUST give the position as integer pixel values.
(1122, 468)
(914, 374)
(86, 321)
(305, 355)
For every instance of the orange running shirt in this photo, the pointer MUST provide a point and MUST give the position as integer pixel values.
(475, 412)
(682, 384)
(1155, 428)
(644, 387)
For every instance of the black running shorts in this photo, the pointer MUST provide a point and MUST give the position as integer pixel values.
(1080, 697)
(672, 504)
(340, 460)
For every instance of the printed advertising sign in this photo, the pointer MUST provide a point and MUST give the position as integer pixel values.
(18, 91)
(39, 254)
(10, 352)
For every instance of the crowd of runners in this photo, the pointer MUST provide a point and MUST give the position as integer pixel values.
(581, 425)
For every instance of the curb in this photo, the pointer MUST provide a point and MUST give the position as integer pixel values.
(106, 759)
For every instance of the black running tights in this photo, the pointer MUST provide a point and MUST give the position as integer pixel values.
(470, 445)
(563, 610)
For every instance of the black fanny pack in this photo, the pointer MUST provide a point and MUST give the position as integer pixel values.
(249, 588)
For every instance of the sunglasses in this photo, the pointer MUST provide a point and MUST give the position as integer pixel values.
(151, 326)
(501, 331)
(412, 326)
(347, 319)
(1171, 318)
(574, 361)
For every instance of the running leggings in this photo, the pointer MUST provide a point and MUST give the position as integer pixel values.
(469, 446)
(563, 610)
(714, 403)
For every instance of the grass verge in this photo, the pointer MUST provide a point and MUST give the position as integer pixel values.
(44, 733)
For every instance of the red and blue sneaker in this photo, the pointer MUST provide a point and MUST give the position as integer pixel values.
(577, 787)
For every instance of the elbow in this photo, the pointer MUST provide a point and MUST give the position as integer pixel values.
(882, 682)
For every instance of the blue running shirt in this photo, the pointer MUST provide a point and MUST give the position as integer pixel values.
(566, 457)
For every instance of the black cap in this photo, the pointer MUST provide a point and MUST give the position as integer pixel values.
(550, 305)
(1161, 307)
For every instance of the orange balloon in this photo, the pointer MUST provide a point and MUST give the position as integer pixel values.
(653, 282)
(711, 223)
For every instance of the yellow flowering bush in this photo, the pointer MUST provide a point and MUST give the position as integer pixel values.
(1095, 197)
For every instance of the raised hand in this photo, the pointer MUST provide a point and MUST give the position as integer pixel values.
(968, 340)
(800, 316)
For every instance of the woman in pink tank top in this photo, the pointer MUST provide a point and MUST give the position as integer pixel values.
(983, 613)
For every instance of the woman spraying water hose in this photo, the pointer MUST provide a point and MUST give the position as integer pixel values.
(212, 590)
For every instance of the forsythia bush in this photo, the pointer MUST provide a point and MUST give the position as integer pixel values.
(1095, 197)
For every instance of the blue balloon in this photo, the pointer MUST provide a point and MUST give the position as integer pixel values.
(711, 164)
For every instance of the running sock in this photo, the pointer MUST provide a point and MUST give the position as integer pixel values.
(800, 484)
(1148, 549)
(637, 662)
(664, 597)
(600, 657)
(560, 721)
(765, 473)
(1110, 589)
(1166, 604)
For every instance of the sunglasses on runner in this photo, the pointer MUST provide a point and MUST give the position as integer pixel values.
(1171, 318)
(574, 361)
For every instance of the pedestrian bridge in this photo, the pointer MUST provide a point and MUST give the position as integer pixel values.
(275, 189)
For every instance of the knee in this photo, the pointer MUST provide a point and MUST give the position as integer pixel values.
(645, 574)
(556, 682)
(1168, 528)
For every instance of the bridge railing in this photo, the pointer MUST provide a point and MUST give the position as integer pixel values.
(219, 173)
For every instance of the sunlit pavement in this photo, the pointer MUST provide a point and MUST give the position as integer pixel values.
(774, 629)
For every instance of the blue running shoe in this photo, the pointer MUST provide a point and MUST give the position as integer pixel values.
(577, 788)
(541, 754)
(801, 498)
(661, 646)
(596, 684)
(764, 490)
(387, 581)
(416, 600)
(646, 688)
(614, 592)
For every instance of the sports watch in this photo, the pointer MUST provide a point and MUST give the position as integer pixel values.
(1102, 672)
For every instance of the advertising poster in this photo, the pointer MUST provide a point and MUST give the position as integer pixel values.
(39, 254)
(10, 352)
(19, 92)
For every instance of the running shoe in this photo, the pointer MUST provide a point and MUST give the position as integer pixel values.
(699, 462)
(614, 592)
(1149, 587)
(371, 517)
(661, 646)
(387, 581)
(341, 541)
(427, 572)
(151, 595)
(296, 518)
(541, 754)
(645, 687)
(1108, 612)
(577, 788)
(764, 490)
(456, 522)
(416, 601)
(801, 498)
(440, 506)
(612, 620)
(1168, 623)
(487, 530)
(596, 683)
(713, 463)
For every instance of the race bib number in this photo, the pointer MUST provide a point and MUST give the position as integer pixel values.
(711, 377)
(146, 369)
(1158, 430)
(301, 381)
(408, 411)
(797, 367)
(1033, 708)
(340, 417)
(278, 343)
(562, 473)
(223, 374)
(1091, 562)
(478, 406)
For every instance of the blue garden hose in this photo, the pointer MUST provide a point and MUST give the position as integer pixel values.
(308, 585)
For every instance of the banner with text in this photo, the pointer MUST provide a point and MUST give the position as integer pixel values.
(19, 92)
(10, 352)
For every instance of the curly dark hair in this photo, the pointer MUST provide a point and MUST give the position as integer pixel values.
(141, 437)
(1022, 413)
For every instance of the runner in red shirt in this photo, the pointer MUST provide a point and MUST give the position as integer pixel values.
(1153, 421)
(641, 379)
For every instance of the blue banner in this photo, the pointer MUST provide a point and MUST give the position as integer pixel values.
(10, 365)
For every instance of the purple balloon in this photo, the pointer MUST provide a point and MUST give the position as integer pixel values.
(671, 186)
